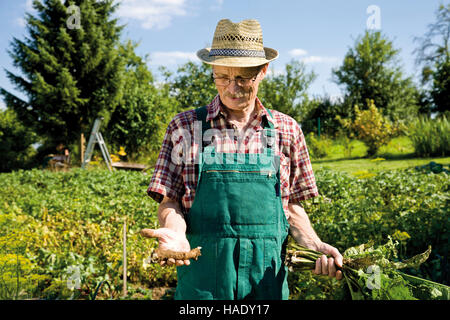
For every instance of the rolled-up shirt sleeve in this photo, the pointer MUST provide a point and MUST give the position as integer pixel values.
(167, 179)
(302, 181)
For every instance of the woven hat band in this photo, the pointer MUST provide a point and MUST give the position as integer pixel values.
(237, 53)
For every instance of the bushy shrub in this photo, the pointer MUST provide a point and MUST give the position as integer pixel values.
(18, 276)
(371, 127)
(430, 137)
(317, 147)
(322, 112)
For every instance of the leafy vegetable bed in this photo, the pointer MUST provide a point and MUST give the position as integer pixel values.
(61, 233)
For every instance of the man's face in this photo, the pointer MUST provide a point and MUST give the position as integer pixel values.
(238, 96)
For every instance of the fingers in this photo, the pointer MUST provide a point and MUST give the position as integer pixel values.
(321, 265)
(331, 268)
(324, 264)
(169, 240)
(151, 233)
(337, 256)
(172, 261)
(327, 266)
(318, 268)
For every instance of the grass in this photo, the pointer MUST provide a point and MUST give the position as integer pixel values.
(359, 165)
(398, 154)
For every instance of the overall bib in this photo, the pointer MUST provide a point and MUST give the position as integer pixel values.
(237, 218)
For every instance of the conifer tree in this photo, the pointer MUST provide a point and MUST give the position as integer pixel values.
(71, 71)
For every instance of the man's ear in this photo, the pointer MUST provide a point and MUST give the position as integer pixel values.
(264, 70)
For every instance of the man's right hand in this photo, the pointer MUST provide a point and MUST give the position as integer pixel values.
(170, 240)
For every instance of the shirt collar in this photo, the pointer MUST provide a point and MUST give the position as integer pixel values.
(215, 108)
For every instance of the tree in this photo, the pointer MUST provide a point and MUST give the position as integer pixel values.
(371, 70)
(326, 109)
(71, 75)
(139, 121)
(16, 142)
(193, 87)
(287, 92)
(434, 55)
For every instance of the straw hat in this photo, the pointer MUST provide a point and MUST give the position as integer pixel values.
(237, 45)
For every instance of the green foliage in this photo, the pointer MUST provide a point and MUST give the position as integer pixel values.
(430, 137)
(18, 278)
(371, 273)
(346, 143)
(434, 54)
(326, 109)
(193, 86)
(317, 147)
(16, 141)
(351, 211)
(371, 70)
(371, 127)
(440, 92)
(71, 76)
(139, 121)
(74, 219)
(287, 92)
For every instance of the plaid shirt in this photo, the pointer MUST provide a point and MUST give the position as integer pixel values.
(176, 173)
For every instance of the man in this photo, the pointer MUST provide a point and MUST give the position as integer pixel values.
(232, 192)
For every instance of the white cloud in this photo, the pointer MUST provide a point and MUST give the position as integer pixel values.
(298, 52)
(308, 59)
(152, 13)
(319, 59)
(171, 57)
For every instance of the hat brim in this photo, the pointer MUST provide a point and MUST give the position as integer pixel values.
(226, 61)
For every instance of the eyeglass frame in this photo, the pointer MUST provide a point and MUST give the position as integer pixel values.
(237, 79)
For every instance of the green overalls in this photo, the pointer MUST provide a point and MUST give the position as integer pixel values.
(237, 218)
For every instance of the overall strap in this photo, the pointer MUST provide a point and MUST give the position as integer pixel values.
(202, 113)
(269, 128)
(268, 110)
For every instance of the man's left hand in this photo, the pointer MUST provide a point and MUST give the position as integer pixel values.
(327, 266)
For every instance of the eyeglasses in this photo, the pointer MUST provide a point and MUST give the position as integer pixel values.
(242, 82)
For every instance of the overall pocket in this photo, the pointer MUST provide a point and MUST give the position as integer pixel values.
(239, 198)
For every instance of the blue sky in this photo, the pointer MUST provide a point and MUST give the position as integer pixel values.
(319, 33)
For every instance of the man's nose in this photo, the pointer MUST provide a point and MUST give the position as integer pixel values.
(233, 87)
